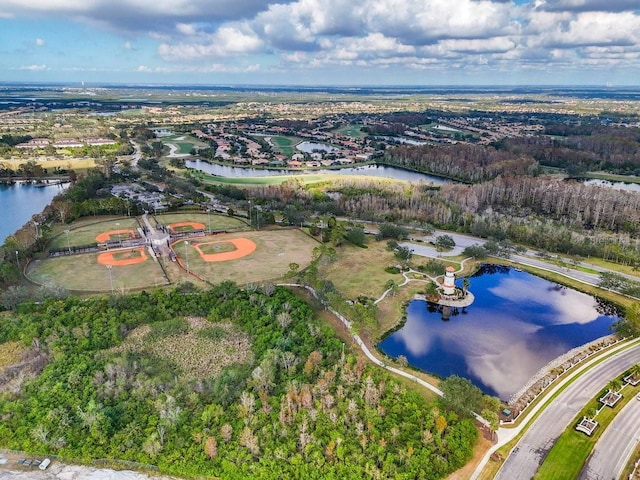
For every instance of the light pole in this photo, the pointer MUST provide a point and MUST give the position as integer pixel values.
(186, 254)
(17, 261)
(109, 267)
(68, 244)
(209, 218)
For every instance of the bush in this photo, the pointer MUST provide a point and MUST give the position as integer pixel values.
(212, 333)
(168, 328)
(392, 269)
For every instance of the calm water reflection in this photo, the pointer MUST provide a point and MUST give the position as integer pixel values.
(19, 202)
(517, 325)
(371, 170)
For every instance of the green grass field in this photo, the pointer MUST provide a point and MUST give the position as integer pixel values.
(276, 249)
(351, 131)
(360, 271)
(184, 142)
(217, 247)
(84, 232)
(83, 273)
(304, 179)
(218, 222)
(285, 145)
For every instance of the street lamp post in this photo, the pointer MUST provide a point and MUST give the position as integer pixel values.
(209, 218)
(186, 255)
(17, 260)
(68, 244)
(109, 267)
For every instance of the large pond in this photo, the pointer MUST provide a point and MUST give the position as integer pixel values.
(20, 202)
(370, 170)
(310, 147)
(517, 324)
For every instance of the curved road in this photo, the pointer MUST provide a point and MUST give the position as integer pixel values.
(531, 450)
(615, 446)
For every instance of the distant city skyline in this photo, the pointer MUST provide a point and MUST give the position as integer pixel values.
(321, 42)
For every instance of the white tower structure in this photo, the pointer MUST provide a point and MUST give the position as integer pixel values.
(449, 282)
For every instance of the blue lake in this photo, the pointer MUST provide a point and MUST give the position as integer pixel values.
(18, 203)
(370, 170)
(517, 324)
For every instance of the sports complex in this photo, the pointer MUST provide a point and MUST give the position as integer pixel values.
(127, 254)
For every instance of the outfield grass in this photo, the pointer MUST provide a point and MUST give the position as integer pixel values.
(218, 222)
(276, 249)
(572, 449)
(84, 232)
(83, 273)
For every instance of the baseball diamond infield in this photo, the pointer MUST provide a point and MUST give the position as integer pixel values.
(179, 227)
(119, 258)
(243, 247)
(115, 235)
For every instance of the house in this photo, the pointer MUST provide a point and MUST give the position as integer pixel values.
(294, 164)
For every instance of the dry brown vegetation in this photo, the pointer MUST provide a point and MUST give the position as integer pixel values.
(10, 353)
(197, 356)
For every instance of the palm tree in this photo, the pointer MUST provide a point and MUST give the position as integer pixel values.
(615, 385)
(465, 285)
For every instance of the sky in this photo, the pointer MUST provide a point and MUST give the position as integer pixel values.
(321, 42)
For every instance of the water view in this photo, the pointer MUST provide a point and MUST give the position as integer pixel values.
(630, 187)
(310, 147)
(518, 324)
(20, 202)
(370, 170)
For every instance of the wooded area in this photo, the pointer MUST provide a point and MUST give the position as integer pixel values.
(298, 406)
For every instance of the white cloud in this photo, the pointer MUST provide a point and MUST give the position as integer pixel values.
(226, 41)
(39, 42)
(410, 34)
(32, 68)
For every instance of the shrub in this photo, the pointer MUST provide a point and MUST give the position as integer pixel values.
(168, 328)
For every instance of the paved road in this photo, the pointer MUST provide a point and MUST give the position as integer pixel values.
(615, 446)
(534, 445)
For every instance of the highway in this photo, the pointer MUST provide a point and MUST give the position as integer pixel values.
(615, 446)
(529, 453)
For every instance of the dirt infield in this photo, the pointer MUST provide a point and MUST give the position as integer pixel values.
(109, 258)
(244, 247)
(175, 227)
(106, 236)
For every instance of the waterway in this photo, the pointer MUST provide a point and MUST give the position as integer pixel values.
(517, 325)
(19, 203)
(368, 170)
(629, 187)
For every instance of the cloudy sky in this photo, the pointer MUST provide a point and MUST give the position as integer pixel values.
(322, 42)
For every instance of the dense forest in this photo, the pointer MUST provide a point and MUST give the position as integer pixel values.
(579, 149)
(228, 382)
(468, 163)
